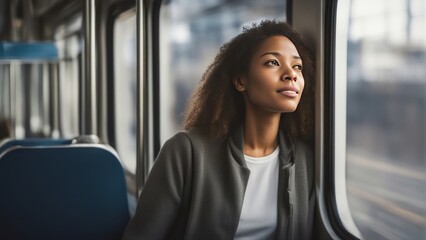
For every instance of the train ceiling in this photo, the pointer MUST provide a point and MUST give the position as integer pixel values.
(20, 19)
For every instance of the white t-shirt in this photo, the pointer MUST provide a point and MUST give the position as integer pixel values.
(258, 218)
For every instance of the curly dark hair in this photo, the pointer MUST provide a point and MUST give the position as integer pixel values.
(216, 106)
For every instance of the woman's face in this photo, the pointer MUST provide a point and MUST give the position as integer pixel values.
(274, 82)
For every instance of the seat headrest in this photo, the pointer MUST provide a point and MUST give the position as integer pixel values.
(85, 139)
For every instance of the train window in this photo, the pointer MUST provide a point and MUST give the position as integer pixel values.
(125, 87)
(380, 118)
(191, 33)
(69, 43)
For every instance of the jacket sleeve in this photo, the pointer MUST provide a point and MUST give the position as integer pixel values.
(161, 196)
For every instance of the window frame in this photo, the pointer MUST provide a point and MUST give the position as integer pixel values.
(114, 11)
(329, 124)
(330, 118)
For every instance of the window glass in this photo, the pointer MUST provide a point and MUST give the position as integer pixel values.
(380, 117)
(191, 33)
(69, 43)
(125, 88)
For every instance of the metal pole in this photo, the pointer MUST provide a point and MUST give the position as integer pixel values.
(89, 87)
(141, 103)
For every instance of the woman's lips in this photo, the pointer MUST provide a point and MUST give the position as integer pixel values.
(288, 91)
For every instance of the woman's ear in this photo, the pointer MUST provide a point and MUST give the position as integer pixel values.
(239, 84)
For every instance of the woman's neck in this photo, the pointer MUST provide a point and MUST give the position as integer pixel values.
(261, 134)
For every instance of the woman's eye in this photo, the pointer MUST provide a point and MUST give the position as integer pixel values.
(272, 63)
(299, 67)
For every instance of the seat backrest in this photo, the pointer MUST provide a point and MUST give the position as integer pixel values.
(62, 192)
(28, 142)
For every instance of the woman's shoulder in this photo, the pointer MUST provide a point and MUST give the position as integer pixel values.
(193, 136)
(198, 134)
(186, 145)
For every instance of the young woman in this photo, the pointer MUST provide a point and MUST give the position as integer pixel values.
(241, 169)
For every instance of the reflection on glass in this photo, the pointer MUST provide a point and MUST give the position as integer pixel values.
(386, 118)
(125, 88)
(191, 33)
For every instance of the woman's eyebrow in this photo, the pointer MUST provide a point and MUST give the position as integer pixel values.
(279, 54)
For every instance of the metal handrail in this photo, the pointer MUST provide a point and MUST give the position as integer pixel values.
(89, 105)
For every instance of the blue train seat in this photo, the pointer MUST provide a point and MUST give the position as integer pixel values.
(5, 144)
(76, 191)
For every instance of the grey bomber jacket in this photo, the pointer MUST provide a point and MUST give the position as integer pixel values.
(196, 188)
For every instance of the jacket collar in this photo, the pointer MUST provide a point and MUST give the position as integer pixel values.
(236, 143)
(286, 149)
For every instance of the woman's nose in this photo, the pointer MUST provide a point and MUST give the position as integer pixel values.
(289, 75)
